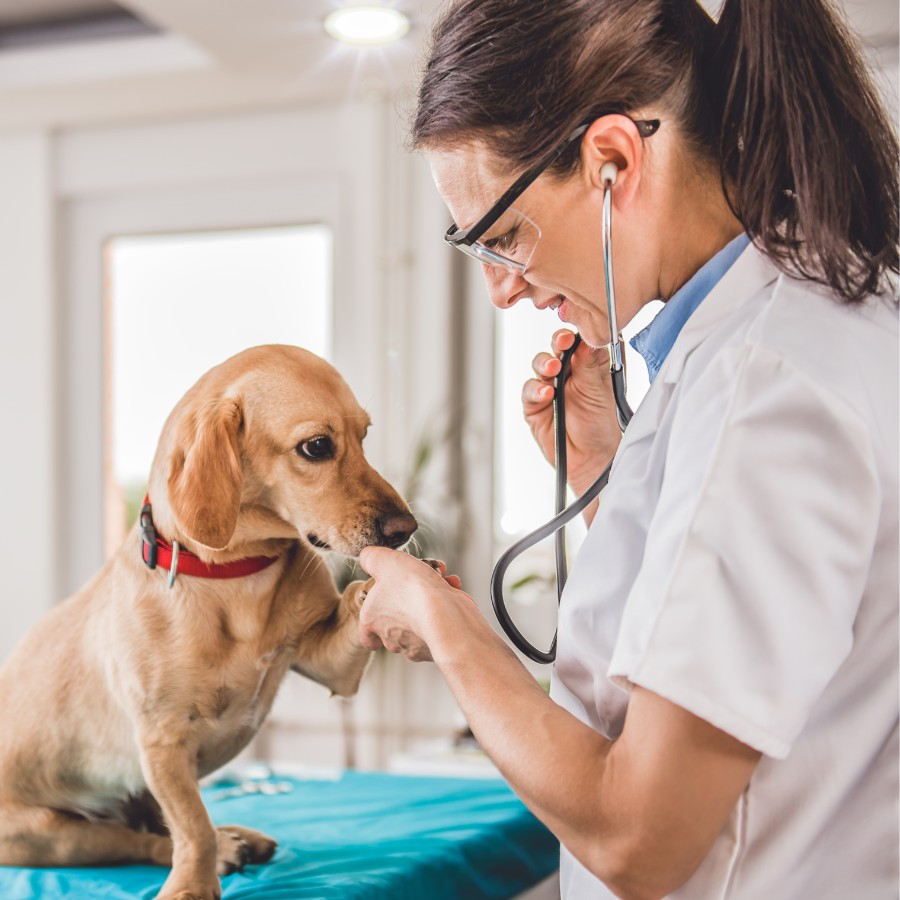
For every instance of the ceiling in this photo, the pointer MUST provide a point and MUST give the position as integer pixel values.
(199, 56)
(17, 12)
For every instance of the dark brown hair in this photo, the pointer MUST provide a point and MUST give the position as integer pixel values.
(776, 95)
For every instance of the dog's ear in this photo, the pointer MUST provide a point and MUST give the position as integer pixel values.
(205, 477)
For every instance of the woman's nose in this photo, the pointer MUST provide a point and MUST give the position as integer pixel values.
(504, 285)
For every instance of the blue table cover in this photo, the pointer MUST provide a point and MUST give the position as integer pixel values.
(366, 835)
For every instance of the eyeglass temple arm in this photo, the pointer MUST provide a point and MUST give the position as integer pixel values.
(470, 235)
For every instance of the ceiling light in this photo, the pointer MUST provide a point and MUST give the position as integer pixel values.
(367, 25)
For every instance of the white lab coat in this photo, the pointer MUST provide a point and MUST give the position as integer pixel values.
(744, 565)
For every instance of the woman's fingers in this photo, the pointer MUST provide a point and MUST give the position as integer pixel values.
(395, 613)
(545, 365)
(538, 392)
(562, 340)
(441, 568)
(536, 395)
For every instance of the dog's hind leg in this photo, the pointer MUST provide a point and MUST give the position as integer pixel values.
(35, 836)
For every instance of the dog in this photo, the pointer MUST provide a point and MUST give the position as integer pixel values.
(150, 678)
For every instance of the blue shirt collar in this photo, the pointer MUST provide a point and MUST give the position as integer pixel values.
(658, 338)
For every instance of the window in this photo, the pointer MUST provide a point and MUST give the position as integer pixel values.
(178, 304)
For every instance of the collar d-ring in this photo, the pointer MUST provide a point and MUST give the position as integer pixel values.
(173, 568)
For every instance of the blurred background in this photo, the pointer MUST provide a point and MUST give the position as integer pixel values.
(181, 179)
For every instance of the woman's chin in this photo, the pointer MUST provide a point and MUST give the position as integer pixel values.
(590, 333)
(592, 341)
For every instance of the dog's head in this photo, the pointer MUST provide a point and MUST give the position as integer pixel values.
(269, 445)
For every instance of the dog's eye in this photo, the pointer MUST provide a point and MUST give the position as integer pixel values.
(316, 448)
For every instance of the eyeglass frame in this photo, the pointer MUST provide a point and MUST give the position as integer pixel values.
(466, 237)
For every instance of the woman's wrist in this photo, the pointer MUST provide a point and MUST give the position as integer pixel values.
(456, 629)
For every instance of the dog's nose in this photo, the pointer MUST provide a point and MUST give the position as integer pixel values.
(396, 528)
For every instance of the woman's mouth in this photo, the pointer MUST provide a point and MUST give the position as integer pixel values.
(560, 304)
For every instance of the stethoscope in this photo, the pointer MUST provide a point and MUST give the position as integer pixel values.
(565, 514)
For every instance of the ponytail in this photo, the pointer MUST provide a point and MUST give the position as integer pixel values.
(808, 157)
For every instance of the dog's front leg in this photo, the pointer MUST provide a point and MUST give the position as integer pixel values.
(168, 760)
(330, 652)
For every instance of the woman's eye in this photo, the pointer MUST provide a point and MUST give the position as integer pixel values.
(503, 241)
(316, 448)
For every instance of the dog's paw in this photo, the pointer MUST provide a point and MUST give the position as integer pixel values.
(237, 847)
(261, 847)
(361, 588)
(232, 852)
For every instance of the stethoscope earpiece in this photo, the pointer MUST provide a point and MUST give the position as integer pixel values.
(608, 174)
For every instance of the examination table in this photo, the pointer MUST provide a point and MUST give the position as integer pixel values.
(354, 835)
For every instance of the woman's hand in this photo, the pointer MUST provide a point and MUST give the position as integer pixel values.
(409, 604)
(592, 432)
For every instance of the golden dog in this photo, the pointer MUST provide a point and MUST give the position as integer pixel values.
(123, 696)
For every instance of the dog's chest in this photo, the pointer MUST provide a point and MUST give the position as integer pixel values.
(244, 690)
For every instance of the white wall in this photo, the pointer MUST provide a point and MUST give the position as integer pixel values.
(29, 538)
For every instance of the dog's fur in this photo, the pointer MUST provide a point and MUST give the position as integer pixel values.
(123, 696)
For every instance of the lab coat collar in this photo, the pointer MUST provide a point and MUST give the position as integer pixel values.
(656, 340)
(752, 272)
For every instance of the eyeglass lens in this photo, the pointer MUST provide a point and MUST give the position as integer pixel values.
(510, 242)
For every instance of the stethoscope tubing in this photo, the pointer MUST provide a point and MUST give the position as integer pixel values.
(565, 514)
(557, 524)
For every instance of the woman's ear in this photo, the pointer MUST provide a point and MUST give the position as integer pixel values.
(205, 475)
(613, 139)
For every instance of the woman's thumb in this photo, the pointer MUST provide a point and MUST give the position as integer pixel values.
(372, 559)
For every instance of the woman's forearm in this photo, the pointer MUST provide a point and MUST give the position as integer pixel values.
(640, 826)
(554, 762)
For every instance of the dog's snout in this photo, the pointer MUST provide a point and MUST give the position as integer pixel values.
(396, 528)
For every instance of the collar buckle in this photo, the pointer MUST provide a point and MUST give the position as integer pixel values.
(148, 537)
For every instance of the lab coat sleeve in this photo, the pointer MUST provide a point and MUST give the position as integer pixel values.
(757, 553)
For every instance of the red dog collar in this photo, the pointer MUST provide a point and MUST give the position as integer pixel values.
(157, 551)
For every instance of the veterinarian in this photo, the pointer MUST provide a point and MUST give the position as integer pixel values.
(722, 720)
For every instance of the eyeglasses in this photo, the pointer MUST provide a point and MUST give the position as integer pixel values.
(517, 235)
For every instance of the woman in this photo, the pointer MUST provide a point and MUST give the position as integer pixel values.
(723, 720)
